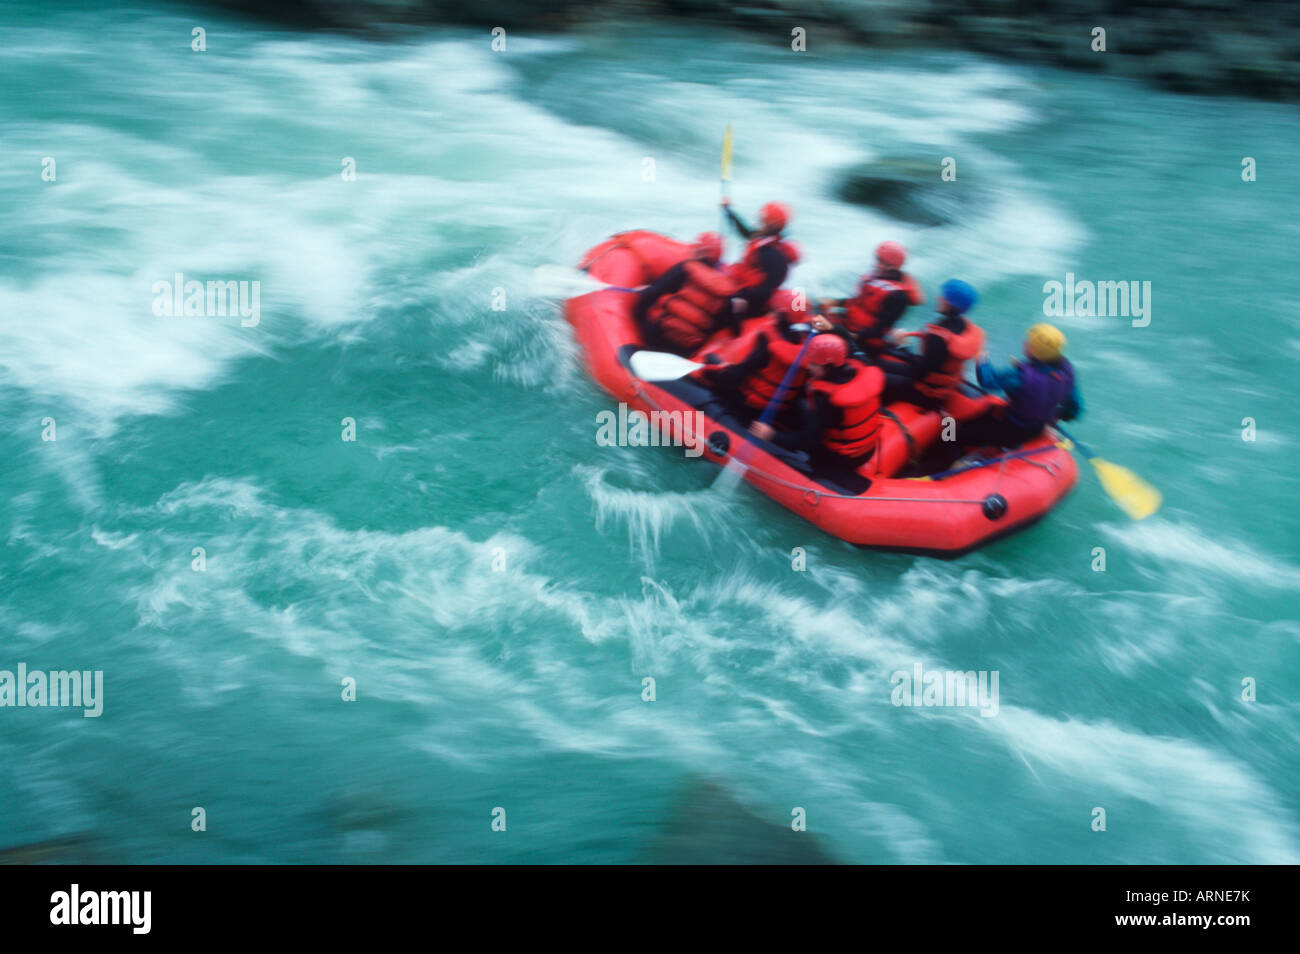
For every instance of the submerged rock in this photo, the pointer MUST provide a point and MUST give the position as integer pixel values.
(707, 826)
(75, 849)
(906, 189)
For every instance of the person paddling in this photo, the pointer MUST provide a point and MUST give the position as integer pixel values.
(1040, 391)
(681, 309)
(840, 421)
(883, 295)
(750, 383)
(931, 377)
(767, 258)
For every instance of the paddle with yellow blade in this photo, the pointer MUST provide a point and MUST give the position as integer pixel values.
(1135, 496)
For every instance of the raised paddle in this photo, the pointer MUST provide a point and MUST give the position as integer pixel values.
(1134, 495)
(726, 179)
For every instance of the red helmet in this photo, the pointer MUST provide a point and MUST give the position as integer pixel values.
(774, 215)
(708, 246)
(827, 349)
(891, 254)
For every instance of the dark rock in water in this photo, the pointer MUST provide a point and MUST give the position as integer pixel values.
(905, 189)
(707, 826)
(359, 822)
(76, 849)
(1176, 70)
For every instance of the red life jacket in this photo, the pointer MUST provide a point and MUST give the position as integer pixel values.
(747, 273)
(759, 388)
(856, 403)
(962, 346)
(863, 312)
(687, 317)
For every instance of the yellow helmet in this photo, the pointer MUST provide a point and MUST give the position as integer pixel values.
(1045, 342)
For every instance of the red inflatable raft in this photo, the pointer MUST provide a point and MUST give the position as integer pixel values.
(888, 503)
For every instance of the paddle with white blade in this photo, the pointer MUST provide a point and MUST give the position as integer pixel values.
(564, 281)
(661, 366)
(665, 366)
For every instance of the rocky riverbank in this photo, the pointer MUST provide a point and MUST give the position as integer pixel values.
(1214, 47)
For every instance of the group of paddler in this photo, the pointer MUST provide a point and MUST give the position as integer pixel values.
(819, 374)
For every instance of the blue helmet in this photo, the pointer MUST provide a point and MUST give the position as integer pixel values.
(959, 294)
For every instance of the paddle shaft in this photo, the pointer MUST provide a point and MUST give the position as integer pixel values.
(769, 412)
(722, 217)
(1083, 448)
(992, 460)
(726, 178)
(736, 464)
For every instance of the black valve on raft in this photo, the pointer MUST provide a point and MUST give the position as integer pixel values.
(994, 506)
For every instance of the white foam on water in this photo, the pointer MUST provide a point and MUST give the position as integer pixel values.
(792, 138)
(505, 651)
(87, 333)
(647, 515)
(849, 624)
(456, 125)
(946, 104)
(1183, 545)
(1222, 804)
(1126, 363)
(91, 344)
(70, 458)
(1133, 637)
(112, 541)
(440, 599)
(454, 154)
